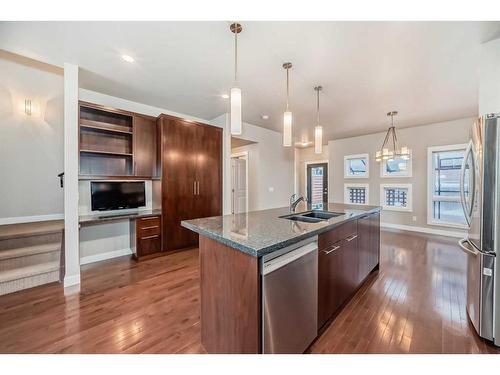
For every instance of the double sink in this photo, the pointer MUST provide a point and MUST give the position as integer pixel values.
(313, 216)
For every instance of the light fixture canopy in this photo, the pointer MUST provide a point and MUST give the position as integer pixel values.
(236, 123)
(128, 58)
(318, 129)
(391, 139)
(287, 115)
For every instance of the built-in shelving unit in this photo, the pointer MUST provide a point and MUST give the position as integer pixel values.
(106, 141)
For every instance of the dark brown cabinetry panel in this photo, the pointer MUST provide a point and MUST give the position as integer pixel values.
(191, 177)
(146, 236)
(374, 240)
(145, 146)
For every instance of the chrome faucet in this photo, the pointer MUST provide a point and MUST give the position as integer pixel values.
(294, 202)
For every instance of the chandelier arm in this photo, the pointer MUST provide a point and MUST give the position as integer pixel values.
(385, 140)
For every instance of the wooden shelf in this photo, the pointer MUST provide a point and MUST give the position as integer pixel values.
(83, 177)
(104, 126)
(106, 153)
(105, 129)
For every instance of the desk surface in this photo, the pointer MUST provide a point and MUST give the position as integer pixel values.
(103, 217)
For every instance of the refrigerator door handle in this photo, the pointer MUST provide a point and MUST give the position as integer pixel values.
(466, 249)
(462, 184)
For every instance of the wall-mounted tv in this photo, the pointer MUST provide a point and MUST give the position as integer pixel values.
(114, 195)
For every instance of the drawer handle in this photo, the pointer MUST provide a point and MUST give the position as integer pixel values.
(352, 238)
(149, 237)
(149, 218)
(332, 250)
(151, 227)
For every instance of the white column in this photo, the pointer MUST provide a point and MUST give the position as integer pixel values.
(226, 167)
(71, 232)
(489, 78)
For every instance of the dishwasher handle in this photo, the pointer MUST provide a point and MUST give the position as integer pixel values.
(283, 260)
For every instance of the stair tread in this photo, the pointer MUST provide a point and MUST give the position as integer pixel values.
(29, 250)
(19, 273)
(10, 231)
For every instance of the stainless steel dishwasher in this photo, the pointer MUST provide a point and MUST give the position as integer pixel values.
(290, 298)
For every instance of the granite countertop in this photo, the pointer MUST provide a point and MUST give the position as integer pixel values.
(103, 216)
(258, 233)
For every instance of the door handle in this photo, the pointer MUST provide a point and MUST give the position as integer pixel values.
(331, 250)
(194, 187)
(462, 242)
(349, 239)
(462, 184)
(197, 187)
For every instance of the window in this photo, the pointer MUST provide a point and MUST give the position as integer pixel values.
(396, 197)
(356, 194)
(444, 165)
(356, 166)
(396, 167)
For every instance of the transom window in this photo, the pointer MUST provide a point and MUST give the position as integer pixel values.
(356, 193)
(396, 197)
(396, 167)
(356, 166)
(444, 167)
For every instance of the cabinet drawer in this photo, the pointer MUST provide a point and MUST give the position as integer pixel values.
(150, 221)
(148, 231)
(327, 239)
(148, 245)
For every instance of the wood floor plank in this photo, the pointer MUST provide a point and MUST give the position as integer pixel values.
(414, 304)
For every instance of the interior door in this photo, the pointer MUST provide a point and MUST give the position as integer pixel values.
(178, 182)
(317, 185)
(239, 185)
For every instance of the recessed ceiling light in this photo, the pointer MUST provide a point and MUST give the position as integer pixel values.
(128, 58)
(224, 96)
(265, 117)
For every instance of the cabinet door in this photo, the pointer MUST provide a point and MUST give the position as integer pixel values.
(364, 247)
(350, 266)
(145, 148)
(178, 182)
(331, 290)
(208, 153)
(374, 240)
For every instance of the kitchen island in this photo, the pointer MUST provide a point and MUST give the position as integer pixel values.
(242, 311)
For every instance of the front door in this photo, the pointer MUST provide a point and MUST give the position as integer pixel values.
(317, 185)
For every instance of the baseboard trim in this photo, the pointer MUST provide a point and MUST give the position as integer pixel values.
(104, 256)
(30, 219)
(71, 280)
(439, 232)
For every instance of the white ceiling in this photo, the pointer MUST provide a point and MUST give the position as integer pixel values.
(425, 70)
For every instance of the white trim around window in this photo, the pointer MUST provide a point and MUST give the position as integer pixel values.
(357, 156)
(405, 173)
(346, 193)
(409, 197)
(430, 187)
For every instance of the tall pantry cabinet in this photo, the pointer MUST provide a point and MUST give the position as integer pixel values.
(191, 182)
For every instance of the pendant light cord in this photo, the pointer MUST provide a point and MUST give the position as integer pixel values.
(236, 56)
(317, 108)
(287, 88)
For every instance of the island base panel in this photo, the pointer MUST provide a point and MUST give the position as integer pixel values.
(230, 299)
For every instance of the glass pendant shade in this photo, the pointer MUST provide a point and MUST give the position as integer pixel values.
(318, 139)
(287, 129)
(236, 111)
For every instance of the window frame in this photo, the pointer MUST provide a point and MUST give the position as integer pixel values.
(403, 174)
(409, 206)
(357, 156)
(430, 186)
(356, 185)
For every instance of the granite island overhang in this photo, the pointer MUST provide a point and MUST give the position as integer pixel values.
(232, 249)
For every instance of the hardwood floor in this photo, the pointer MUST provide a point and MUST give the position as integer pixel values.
(415, 304)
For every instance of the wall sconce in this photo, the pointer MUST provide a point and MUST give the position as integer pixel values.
(28, 107)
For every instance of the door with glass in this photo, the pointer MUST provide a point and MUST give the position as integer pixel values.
(317, 185)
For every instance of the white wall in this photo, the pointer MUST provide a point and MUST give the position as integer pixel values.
(489, 78)
(270, 167)
(31, 149)
(418, 139)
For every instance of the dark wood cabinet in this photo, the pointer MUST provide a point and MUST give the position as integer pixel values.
(191, 158)
(145, 236)
(144, 151)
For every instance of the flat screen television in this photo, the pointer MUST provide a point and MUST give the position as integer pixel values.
(106, 195)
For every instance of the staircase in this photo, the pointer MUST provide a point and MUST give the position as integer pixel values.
(30, 255)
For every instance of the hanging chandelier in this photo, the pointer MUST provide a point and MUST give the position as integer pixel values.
(318, 129)
(389, 150)
(287, 115)
(236, 127)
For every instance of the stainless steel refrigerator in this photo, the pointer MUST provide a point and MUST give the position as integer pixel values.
(480, 197)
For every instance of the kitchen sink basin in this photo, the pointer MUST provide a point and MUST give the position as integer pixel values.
(312, 216)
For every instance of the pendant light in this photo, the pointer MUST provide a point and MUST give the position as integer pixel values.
(387, 152)
(318, 129)
(287, 115)
(236, 91)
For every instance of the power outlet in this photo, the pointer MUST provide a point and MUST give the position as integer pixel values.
(414, 218)
(271, 189)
